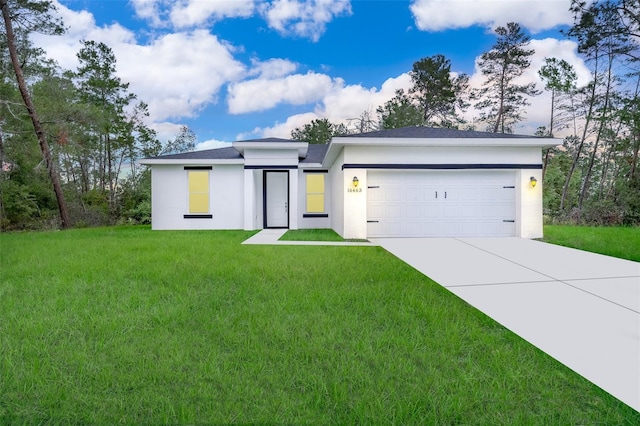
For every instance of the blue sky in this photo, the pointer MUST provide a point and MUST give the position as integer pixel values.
(240, 69)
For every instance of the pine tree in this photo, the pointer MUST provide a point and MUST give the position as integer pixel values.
(20, 20)
(501, 100)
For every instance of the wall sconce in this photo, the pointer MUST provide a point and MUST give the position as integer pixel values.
(355, 181)
(533, 181)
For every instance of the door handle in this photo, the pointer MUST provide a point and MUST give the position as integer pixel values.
(286, 207)
(445, 195)
(436, 194)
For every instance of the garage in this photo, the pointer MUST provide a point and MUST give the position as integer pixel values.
(441, 203)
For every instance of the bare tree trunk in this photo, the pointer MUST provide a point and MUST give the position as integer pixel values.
(546, 162)
(588, 117)
(37, 126)
(634, 161)
(635, 142)
(603, 174)
(603, 118)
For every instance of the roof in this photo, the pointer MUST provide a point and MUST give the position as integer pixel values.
(435, 133)
(315, 153)
(228, 153)
(318, 153)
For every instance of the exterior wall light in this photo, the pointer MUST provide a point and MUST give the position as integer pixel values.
(355, 181)
(533, 181)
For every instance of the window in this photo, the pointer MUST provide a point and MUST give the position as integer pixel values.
(315, 193)
(198, 191)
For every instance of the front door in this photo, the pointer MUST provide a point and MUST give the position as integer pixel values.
(276, 195)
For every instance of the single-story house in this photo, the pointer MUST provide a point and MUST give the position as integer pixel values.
(407, 182)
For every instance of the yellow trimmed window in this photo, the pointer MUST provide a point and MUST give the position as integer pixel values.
(315, 193)
(199, 191)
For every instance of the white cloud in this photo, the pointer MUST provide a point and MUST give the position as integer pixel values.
(304, 18)
(272, 68)
(80, 26)
(148, 10)
(189, 13)
(262, 93)
(283, 130)
(536, 15)
(212, 144)
(176, 74)
(340, 105)
(183, 14)
(166, 131)
(301, 18)
(348, 102)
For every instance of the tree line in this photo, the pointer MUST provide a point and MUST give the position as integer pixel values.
(593, 177)
(89, 128)
(70, 139)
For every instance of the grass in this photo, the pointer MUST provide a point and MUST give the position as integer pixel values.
(129, 326)
(311, 235)
(622, 242)
(319, 234)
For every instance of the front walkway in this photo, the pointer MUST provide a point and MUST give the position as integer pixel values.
(581, 308)
(272, 237)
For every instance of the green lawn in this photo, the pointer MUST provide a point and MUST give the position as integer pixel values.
(129, 326)
(622, 242)
(311, 235)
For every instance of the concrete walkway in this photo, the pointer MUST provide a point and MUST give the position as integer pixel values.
(272, 237)
(581, 308)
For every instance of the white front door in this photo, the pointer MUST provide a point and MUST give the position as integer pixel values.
(277, 199)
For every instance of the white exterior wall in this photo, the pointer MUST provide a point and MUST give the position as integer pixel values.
(441, 155)
(293, 206)
(529, 221)
(355, 204)
(336, 177)
(353, 224)
(253, 208)
(267, 157)
(170, 198)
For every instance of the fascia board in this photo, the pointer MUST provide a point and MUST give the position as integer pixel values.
(464, 142)
(302, 147)
(332, 153)
(187, 162)
(307, 166)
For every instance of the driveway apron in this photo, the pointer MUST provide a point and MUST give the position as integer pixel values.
(581, 308)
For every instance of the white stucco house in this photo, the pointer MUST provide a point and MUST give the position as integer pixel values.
(408, 182)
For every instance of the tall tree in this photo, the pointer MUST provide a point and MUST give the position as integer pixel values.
(366, 122)
(435, 92)
(185, 141)
(28, 17)
(560, 78)
(604, 40)
(399, 112)
(501, 100)
(319, 131)
(103, 90)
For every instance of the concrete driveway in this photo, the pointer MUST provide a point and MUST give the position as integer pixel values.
(581, 308)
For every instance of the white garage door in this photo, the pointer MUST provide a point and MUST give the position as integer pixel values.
(447, 203)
